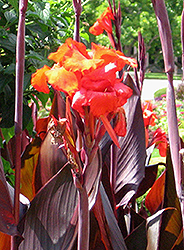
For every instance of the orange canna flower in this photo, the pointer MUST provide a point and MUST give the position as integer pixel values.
(75, 61)
(88, 78)
(62, 80)
(103, 23)
(112, 56)
(39, 81)
(67, 47)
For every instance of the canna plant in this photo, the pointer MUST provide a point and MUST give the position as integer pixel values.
(88, 162)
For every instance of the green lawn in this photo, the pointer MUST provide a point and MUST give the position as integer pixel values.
(161, 76)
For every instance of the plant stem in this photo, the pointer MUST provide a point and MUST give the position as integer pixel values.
(77, 9)
(83, 229)
(20, 54)
(174, 140)
(182, 40)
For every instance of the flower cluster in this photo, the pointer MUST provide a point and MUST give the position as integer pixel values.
(89, 78)
(159, 137)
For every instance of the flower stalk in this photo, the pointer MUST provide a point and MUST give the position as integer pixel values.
(20, 55)
(167, 48)
(77, 9)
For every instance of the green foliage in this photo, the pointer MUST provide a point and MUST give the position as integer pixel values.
(159, 93)
(48, 24)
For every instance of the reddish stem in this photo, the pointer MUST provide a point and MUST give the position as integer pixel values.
(77, 9)
(20, 54)
(182, 40)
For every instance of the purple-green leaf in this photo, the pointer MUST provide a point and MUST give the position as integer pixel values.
(171, 223)
(92, 176)
(165, 34)
(114, 230)
(7, 220)
(132, 154)
(52, 218)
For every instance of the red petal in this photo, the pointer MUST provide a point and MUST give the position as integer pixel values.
(110, 130)
(120, 124)
(79, 100)
(100, 79)
(96, 29)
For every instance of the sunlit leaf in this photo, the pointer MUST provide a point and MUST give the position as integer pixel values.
(51, 159)
(156, 195)
(99, 213)
(171, 224)
(153, 226)
(5, 241)
(29, 162)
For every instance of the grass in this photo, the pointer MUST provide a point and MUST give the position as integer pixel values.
(161, 76)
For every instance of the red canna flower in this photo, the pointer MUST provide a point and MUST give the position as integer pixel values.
(148, 115)
(103, 23)
(102, 102)
(159, 138)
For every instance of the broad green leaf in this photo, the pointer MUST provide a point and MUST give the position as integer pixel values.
(10, 69)
(9, 42)
(8, 115)
(8, 133)
(10, 16)
(43, 10)
(14, 3)
(4, 80)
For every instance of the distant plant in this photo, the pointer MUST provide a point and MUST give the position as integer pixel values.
(180, 92)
